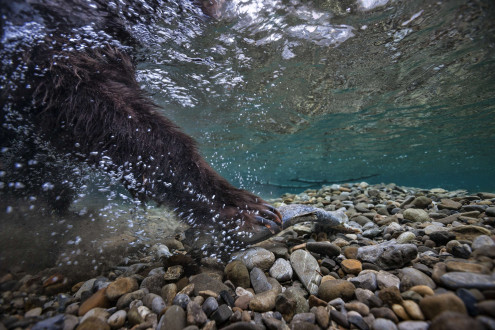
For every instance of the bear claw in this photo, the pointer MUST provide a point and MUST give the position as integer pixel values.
(271, 225)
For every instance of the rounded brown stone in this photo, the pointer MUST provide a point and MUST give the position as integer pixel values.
(352, 266)
(400, 312)
(237, 273)
(413, 310)
(99, 299)
(433, 306)
(330, 290)
(423, 290)
(263, 302)
(121, 286)
(350, 252)
(390, 295)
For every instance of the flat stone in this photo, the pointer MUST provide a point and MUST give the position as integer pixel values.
(307, 270)
(330, 290)
(452, 320)
(416, 215)
(121, 286)
(449, 204)
(203, 282)
(432, 306)
(456, 280)
(351, 266)
(258, 257)
(433, 228)
(469, 267)
(281, 270)
(388, 255)
(469, 232)
(324, 248)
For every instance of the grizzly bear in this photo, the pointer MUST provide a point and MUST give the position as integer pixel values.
(69, 94)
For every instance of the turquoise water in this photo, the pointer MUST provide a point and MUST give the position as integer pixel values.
(284, 96)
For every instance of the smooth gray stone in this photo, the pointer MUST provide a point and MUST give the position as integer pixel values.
(281, 270)
(388, 255)
(307, 269)
(365, 281)
(410, 277)
(413, 325)
(384, 324)
(259, 281)
(457, 280)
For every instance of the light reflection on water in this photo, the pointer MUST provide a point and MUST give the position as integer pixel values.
(287, 90)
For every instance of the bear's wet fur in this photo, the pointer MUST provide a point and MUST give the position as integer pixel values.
(85, 104)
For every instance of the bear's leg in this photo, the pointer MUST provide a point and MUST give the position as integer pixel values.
(90, 104)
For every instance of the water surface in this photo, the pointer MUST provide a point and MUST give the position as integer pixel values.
(285, 95)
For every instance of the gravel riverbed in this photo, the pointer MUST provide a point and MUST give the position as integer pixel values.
(419, 259)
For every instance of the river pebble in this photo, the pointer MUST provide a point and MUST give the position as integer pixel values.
(418, 259)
